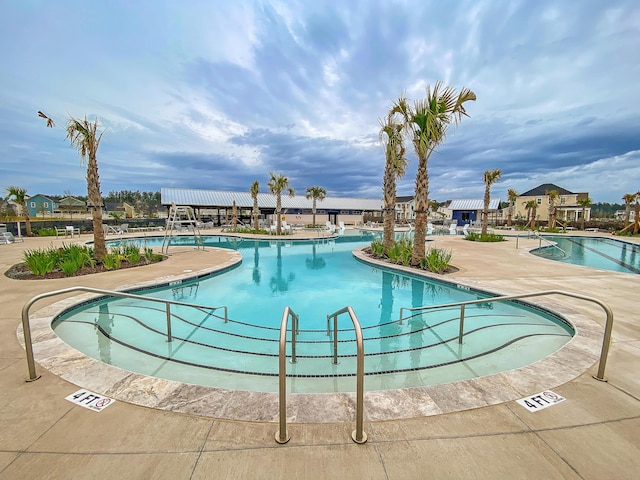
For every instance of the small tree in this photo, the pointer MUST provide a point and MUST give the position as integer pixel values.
(255, 190)
(278, 183)
(19, 195)
(512, 195)
(426, 124)
(584, 203)
(628, 199)
(395, 165)
(489, 177)
(553, 196)
(84, 135)
(315, 193)
(531, 207)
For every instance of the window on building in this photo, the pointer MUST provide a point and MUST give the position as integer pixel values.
(563, 201)
(46, 204)
(539, 201)
(33, 204)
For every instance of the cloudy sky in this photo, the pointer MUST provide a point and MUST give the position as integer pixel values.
(216, 94)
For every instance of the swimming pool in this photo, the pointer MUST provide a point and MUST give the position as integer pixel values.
(594, 252)
(314, 278)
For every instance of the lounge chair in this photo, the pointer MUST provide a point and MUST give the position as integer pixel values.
(286, 227)
(429, 228)
(453, 228)
(465, 229)
(341, 225)
(330, 226)
(6, 238)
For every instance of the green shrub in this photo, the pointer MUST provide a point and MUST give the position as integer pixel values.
(487, 237)
(112, 261)
(436, 260)
(400, 252)
(133, 257)
(40, 262)
(377, 248)
(47, 232)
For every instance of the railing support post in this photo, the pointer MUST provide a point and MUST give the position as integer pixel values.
(461, 331)
(168, 310)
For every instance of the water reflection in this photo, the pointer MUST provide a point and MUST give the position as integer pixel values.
(104, 326)
(279, 283)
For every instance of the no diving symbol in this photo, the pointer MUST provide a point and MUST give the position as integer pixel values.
(103, 402)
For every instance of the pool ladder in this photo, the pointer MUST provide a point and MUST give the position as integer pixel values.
(282, 435)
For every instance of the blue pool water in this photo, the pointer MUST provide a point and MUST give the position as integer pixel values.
(594, 252)
(313, 278)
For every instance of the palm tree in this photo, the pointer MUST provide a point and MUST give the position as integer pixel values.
(278, 183)
(84, 135)
(553, 196)
(636, 214)
(512, 195)
(489, 177)
(426, 124)
(316, 193)
(395, 165)
(628, 200)
(254, 190)
(531, 206)
(584, 203)
(19, 195)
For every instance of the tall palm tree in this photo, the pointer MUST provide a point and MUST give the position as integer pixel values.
(315, 193)
(254, 190)
(584, 203)
(278, 183)
(426, 124)
(512, 195)
(19, 195)
(636, 214)
(628, 200)
(84, 135)
(395, 165)
(553, 196)
(531, 207)
(489, 177)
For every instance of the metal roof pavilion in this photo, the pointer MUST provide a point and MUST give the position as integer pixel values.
(474, 204)
(224, 199)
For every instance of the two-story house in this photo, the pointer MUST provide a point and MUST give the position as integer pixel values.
(566, 203)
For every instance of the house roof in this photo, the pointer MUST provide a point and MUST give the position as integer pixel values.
(71, 202)
(474, 204)
(404, 199)
(225, 199)
(541, 190)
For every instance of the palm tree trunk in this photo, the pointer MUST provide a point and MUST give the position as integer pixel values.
(27, 219)
(389, 204)
(278, 213)
(314, 212)
(95, 198)
(422, 203)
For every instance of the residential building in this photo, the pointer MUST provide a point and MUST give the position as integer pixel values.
(71, 206)
(566, 205)
(405, 209)
(41, 205)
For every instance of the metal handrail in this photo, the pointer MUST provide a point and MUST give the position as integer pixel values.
(607, 331)
(282, 436)
(540, 240)
(358, 435)
(28, 345)
(552, 244)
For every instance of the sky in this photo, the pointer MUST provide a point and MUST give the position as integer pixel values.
(216, 94)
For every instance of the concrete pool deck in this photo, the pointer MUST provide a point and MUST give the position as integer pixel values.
(595, 433)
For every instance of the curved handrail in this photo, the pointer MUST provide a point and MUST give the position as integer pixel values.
(282, 436)
(607, 331)
(358, 435)
(28, 345)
